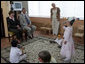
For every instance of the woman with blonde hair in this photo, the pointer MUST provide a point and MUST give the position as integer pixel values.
(55, 18)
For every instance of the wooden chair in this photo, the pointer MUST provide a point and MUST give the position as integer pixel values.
(80, 31)
(25, 34)
(10, 35)
(79, 34)
(46, 29)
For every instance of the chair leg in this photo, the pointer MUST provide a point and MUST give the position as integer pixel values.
(26, 36)
(9, 37)
(13, 37)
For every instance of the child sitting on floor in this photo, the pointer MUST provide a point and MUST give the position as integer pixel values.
(45, 57)
(16, 54)
(58, 40)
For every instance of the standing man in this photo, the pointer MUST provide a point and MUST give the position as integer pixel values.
(55, 18)
(26, 23)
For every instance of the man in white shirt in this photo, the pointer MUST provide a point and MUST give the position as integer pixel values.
(16, 54)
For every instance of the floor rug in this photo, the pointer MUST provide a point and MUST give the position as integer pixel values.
(37, 44)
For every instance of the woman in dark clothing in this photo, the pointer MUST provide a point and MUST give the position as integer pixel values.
(14, 25)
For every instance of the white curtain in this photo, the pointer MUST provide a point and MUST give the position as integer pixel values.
(68, 8)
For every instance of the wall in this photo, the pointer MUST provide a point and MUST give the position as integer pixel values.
(5, 5)
(47, 22)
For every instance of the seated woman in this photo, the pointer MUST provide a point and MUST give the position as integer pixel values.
(14, 26)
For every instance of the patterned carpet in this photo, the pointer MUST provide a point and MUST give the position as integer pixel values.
(37, 44)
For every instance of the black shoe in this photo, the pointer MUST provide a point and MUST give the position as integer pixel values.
(52, 42)
(30, 37)
(59, 46)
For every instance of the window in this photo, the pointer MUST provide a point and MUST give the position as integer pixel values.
(68, 8)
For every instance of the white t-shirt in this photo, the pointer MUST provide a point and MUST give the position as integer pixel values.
(15, 54)
(53, 60)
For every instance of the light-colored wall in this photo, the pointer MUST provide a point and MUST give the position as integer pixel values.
(5, 5)
(46, 22)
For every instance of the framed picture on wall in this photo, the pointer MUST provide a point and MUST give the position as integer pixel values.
(17, 6)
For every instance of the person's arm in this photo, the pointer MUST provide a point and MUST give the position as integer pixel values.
(62, 42)
(67, 36)
(19, 51)
(23, 50)
(58, 14)
(21, 21)
(64, 27)
(8, 24)
(51, 14)
(17, 22)
(29, 19)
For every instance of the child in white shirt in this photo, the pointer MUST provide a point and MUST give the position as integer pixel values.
(16, 54)
(68, 50)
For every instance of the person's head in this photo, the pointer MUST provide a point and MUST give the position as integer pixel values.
(14, 43)
(11, 14)
(44, 56)
(64, 23)
(70, 21)
(24, 10)
(53, 5)
(67, 23)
